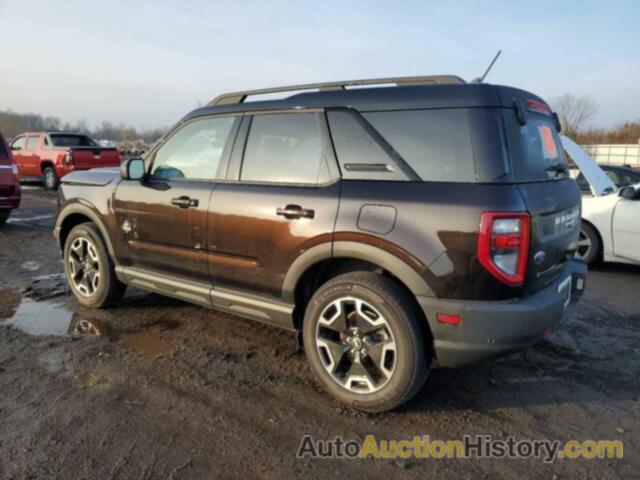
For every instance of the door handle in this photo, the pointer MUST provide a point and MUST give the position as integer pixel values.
(185, 202)
(295, 211)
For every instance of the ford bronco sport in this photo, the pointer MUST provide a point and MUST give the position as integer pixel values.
(428, 223)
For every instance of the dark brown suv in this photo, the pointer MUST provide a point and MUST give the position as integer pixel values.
(430, 223)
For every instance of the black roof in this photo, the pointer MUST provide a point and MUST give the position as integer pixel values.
(384, 98)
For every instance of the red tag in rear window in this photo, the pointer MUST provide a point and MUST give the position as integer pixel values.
(548, 144)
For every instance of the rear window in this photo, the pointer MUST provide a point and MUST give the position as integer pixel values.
(435, 143)
(536, 150)
(66, 140)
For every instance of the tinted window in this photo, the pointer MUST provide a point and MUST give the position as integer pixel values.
(435, 143)
(360, 155)
(66, 140)
(194, 151)
(286, 148)
(32, 143)
(535, 148)
(18, 143)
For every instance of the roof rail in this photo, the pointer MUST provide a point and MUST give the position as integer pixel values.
(239, 97)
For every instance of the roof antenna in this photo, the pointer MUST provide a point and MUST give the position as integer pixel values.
(481, 79)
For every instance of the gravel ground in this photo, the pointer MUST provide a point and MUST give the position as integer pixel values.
(157, 388)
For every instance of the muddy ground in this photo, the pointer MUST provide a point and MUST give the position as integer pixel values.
(157, 388)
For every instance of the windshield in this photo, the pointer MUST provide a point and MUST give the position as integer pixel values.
(536, 150)
(67, 140)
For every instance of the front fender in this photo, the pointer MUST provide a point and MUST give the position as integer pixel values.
(72, 212)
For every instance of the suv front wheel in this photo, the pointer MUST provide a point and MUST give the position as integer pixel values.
(89, 268)
(365, 342)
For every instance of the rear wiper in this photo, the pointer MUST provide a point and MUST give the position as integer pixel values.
(558, 168)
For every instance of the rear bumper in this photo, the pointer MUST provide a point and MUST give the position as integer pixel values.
(488, 329)
(12, 201)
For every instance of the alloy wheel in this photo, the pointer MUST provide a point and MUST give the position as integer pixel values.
(356, 345)
(584, 245)
(84, 266)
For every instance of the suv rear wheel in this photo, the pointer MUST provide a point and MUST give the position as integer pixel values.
(50, 178)
(365, 343)
(89, 269)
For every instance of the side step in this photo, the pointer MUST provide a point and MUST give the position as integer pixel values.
(237, 302)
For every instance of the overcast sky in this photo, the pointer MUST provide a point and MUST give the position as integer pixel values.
(148, 63)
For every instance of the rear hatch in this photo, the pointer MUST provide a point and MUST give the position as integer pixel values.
(552, 197)
(94, 157)
(7, 181)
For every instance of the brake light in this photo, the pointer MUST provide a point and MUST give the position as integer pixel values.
(16, 174)
(503, 245)
(537, 106)
(68, 158)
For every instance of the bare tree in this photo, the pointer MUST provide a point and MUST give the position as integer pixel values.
(574, 112)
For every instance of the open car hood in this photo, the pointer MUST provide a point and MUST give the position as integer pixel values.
(598, 180)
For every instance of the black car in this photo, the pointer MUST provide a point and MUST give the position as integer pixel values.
(430, 223)
(621, 176)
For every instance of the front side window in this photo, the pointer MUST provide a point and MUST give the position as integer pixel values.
(194, 151)
(32, 143)
(286, 148)
(435, 143)
(18, 143)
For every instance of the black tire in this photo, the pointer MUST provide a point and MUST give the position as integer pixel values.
(50, 178)
(108, 289)
(592, 252)
(4, 216)
(413, 351)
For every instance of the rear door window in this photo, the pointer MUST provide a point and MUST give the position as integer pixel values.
(435, 143)
(32, 143)
(535, 148)
(286, 148)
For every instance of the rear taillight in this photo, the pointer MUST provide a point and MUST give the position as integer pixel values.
(16, 174)
(68, 158)
(503, 245)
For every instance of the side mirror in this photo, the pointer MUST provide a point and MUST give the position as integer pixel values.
(630, 193)
(132, 169)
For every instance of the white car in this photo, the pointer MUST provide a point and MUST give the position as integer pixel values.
(610, 217)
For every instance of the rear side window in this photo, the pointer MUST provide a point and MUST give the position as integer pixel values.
(286, 148)
(535, 148)
(3, 151)
(32, 143)
(435, 143)
(72, 141)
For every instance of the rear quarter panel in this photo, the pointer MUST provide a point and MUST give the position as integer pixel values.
(435, 230)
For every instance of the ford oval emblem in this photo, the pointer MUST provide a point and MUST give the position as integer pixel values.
(539, 257)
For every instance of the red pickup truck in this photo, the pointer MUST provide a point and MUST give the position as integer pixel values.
(51, 155)
(9, 186)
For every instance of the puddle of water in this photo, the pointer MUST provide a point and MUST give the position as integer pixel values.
(41, 318)
(53, 318)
